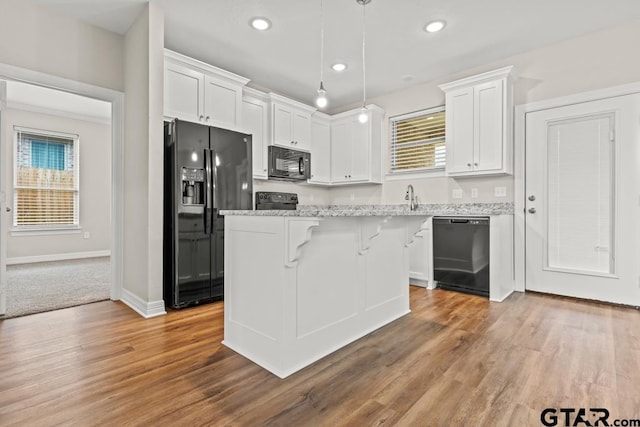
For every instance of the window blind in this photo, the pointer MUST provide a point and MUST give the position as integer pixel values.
(418, 141)
(45, 180)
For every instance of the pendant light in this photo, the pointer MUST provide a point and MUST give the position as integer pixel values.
(321, 100)
(364, 114)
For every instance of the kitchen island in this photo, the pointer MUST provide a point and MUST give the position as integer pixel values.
(301, 284)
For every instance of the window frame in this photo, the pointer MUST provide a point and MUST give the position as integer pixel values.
(413, 173)
(44, 228)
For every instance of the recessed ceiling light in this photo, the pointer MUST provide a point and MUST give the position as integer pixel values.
(260, 24)
(434, 26)
(339, 67)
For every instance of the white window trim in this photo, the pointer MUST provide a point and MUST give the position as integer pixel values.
(415, 173)
(53, 228)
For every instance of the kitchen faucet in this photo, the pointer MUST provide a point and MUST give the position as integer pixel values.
(413, 199)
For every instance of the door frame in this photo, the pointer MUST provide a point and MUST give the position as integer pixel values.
(521, 112)
(116, 99)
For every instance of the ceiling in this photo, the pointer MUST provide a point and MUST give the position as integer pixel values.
(399, 54)
(38, 98)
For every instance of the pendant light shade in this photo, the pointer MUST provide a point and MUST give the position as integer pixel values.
(363, 117)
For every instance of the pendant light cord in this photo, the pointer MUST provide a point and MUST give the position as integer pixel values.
(364, 68)
(321, 41)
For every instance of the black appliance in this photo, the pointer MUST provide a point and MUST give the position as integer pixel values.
(206, 169)
(268, 200)
(286, 164)
(461, 254)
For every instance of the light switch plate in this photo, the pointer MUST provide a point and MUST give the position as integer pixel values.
(501, 191)
(474, 193)
(456, 194)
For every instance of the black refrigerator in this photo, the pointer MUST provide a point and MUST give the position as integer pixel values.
(206, 169)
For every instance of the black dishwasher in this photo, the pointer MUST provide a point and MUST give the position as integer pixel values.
(461, 254)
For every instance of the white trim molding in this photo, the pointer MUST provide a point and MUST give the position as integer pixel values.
(57, 257)
(143, 308)
(521, 112)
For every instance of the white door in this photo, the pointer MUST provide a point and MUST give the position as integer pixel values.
(583, 195)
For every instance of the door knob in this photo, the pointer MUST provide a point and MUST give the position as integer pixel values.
(532, 210)
(8, 209)
(532, 197)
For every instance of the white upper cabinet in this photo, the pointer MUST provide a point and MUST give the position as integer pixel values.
(200, 92)
(290, 123)
(320, 149)
(356, 155)
(255, 120)
(479, 124)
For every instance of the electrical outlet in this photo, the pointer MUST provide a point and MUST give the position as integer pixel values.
(474, 193)
(501, 191)
(86, 235)
(456, 194)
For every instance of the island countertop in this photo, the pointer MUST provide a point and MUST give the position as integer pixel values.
(383, 210)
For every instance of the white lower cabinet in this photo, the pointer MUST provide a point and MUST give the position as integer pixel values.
(421, 258)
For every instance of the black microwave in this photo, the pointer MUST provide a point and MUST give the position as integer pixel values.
(289, 165)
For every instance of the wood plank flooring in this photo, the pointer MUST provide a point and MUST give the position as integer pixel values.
(455, 360)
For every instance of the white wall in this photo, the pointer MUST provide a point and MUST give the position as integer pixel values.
(38, 39)
(143, 156)
(598, 60)
(95, 186)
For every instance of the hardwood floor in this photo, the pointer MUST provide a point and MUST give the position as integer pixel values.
(455, 360)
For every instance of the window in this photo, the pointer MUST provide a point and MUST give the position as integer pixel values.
(45, 180)
(417, 141)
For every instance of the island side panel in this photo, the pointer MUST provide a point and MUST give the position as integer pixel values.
(351, 278)
(254, 286)
(386, 269)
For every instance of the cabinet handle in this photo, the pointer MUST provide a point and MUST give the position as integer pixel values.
(201, 117)
(349, 176)
(475, 164)
(207, 118)
(468, 165)
(264, 170)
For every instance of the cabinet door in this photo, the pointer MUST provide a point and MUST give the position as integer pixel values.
(360, 151)
(254, 118)
(459, 130)
(302, 130)
(341, 140)
(221, 103)
(183, 93)
(320, 152)
(488, 126)
(282, 126)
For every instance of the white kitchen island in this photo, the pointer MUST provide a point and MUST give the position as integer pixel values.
(302, 284)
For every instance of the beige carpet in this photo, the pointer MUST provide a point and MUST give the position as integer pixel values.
(44, 286)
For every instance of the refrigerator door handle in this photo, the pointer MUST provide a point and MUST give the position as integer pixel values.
(214, 180)
(207, 192)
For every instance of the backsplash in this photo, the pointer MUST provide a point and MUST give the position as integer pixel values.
(428, 190)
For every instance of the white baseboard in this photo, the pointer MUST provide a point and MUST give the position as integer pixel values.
(57, 257)
(143, 308)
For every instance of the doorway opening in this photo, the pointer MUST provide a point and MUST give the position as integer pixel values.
(57, 219)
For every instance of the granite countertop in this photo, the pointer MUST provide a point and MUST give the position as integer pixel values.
(384, 210)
